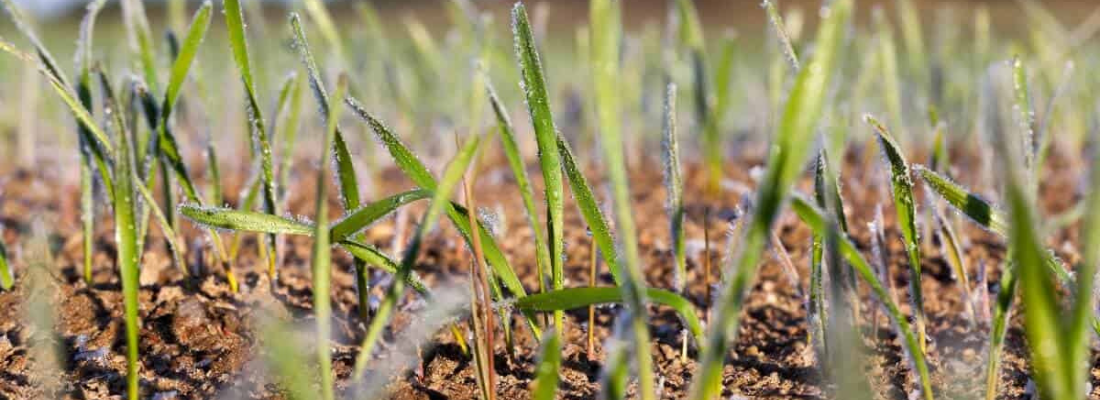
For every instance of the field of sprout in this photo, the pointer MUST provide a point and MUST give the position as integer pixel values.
(599, 199)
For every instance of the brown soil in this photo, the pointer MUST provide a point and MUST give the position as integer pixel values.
(198, 339)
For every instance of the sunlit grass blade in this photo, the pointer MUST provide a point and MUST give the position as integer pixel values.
(84, 91)
(359, 219)
(241, 220)
(234, 19)
(792, 143)
(129, 255)
(984, 214)
(606, 35)
(290, 138)
(815, 218)
(538, 104)
(590, 210)
(519, 171)
(440, 201)
(322, 253)
(781, 33)
(417, 172)
(7, 279)
(674, 187)
(141, 40)
(345, 169)
(582, 297)
(906, 208)
(49, 68)
(1077, 336)
(546, 381)
(951, 248)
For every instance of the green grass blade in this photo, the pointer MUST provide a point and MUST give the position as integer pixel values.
(906, 207)
(322, 254)
(195, 35)
(1078, 339)
(815, 218)
(971, 205)
(290, 139)
(590, 210)
(546, 381)
(141, 39)
(984, 214)
(345, 170)
(519, 170)
(375, 257)
(7, 279)
(129, 254)
(243, 220)
(538, 107)
(415, 170)
(84, 92)
(234, 19)
(781, 33)
(582, 297)
(368, 214)
(606, 36)
(674, 187)
(950, 247)
(793, 140)
(1025, 119)
(440, 201)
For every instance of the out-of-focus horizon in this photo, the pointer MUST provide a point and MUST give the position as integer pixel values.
(710, 10)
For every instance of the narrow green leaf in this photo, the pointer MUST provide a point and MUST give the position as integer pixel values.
(793, 140)
(128, 255)
(234, 18)
(538, 107)
(322, 253)
(815, 218)
(7, 279)
(363, 217)
(582, 297)
(906, 207)
(418, 173)
(590, 210)
(242, 220)
(440, 201)
(674, 187)
(519, 170)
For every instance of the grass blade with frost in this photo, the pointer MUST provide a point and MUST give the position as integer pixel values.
(793, 141)
(440, 201)
(590, 210)
(418, 173)
(234, 19)
(322, 254)
(674, 186)
(906, 207)
(538, 104)
(815, 218)
(606, 31)
(519, 170)
(345, 169)
(128, 257)
(582, 297)
(88, 155)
